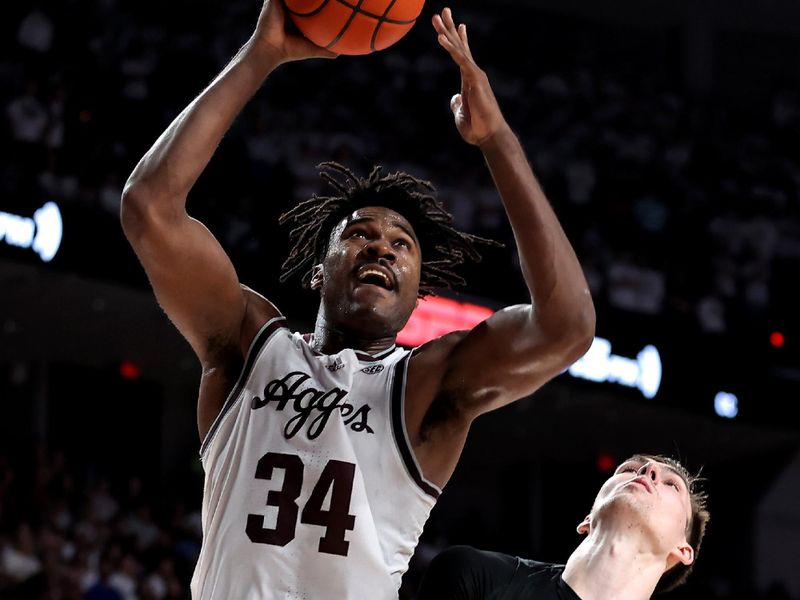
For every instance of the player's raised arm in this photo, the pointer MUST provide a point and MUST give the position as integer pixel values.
(519, 348)
(192, 277)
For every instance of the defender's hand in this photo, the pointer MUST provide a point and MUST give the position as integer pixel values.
(271, 35)
(475, 109)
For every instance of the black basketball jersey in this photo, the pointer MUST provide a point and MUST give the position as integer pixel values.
(464, 573)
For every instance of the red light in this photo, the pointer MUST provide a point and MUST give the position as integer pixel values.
(606, 463)
(437, 316)
(776, 339)
(129, 370)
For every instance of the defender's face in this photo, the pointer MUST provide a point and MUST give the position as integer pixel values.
(369, 279)
(649, 495)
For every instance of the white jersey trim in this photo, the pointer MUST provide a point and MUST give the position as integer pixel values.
(361, 356)
(258, 343)
(403, 443)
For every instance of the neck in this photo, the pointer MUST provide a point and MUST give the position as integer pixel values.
(330, 339)
(614, 565)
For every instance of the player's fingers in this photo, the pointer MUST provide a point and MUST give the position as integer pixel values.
(325, 53)
(447, 17)
(462, 34)
(456, 53)
(438, 25)
(447, 44)
(457, 36)
(443, 29)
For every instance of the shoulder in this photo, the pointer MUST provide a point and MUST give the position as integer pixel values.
(437, 351)
(475, 573)
(535, 566)
(224, 352)
(467, 558)
(259, 311)
(427, 367)
(539, 575)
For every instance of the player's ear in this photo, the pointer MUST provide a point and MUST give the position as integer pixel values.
(585, 525)
(684, 553)
(317, 277)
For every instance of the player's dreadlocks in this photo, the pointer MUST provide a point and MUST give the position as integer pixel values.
(443, 247)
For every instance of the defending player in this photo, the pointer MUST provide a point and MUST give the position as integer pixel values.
(643, 535)
(324, 456)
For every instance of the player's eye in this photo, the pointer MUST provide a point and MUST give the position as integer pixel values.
(358, 233)
(402, 242)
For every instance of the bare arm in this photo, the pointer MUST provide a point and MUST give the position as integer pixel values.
(191, 275)
(518, 349)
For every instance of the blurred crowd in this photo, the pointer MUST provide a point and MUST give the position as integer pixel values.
(676, 204)
(68, 533)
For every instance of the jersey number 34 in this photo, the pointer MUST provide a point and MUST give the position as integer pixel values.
(336, 519)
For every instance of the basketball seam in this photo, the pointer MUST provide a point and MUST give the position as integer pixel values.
(346, 25)
(356, 9)
(380, 22)
(307, 14)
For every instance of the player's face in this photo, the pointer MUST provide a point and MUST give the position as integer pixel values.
(369, 279)
(651, 496)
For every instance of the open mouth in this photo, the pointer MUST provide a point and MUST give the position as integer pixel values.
(374, 276)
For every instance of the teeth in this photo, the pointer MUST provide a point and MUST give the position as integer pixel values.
(368, 272)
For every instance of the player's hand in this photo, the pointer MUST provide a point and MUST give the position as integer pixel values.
(477, 114)
(271, 34)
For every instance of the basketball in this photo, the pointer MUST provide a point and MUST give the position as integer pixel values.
(350, 27)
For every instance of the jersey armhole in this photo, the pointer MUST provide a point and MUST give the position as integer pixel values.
(258, 343)
(400, 433)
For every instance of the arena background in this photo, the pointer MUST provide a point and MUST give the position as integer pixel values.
(666, 135)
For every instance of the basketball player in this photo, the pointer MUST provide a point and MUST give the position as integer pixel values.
(324, 454)
(642, 536)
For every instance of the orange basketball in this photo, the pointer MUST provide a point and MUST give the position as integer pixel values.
(354, 26)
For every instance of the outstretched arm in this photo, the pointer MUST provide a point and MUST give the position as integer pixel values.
(519, 348)
(191, 275)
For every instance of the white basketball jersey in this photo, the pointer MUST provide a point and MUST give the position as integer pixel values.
(312, 491)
